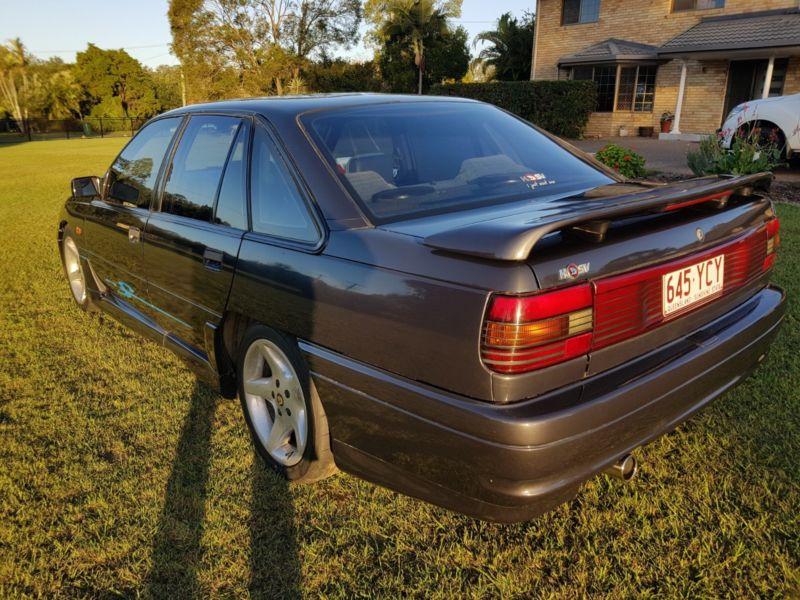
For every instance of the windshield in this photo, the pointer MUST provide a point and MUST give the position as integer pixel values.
(408, 159)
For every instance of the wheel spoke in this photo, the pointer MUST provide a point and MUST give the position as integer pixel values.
(298, 420)
(261, 386)
(279, 434)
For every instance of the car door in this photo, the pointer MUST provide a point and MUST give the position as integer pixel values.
(192, 240)
(114, 221)
(278, 267)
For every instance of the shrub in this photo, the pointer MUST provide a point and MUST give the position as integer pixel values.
(341, 76)
(560, 107)
(748, 154)
(623, 160)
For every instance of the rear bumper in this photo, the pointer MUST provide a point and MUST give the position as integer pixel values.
(514, 462)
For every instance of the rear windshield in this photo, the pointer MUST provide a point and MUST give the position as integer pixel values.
(408, 159)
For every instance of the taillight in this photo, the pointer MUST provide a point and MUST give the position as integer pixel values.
(524, 333)
(773, 243)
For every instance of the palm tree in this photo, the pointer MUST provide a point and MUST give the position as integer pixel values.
(14, 85)
(510, 47)
(416, 20)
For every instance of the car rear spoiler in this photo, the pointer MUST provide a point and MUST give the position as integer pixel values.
(512, 237)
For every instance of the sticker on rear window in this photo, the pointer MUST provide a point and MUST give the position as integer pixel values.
(535, 180)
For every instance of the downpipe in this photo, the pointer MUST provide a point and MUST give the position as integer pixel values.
(625, 468)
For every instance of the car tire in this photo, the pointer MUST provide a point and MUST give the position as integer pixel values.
(74, 272)
(281, 406)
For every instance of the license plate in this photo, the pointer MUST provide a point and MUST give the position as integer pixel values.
(687, 287)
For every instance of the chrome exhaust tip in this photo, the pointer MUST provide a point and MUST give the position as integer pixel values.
(625, 468)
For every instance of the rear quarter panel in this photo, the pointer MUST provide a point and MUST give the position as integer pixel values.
(381, 299)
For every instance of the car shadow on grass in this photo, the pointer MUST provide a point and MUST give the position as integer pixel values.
(274, 559)
(177, 553)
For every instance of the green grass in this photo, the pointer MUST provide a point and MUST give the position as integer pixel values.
(120, 475)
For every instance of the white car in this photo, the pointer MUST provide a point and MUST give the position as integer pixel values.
(777, 119)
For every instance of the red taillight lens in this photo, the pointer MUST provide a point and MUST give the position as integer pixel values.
(630, 304)
(773, 243)
(524, 333)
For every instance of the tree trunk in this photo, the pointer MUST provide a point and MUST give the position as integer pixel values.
(419, 87)
(183, 88)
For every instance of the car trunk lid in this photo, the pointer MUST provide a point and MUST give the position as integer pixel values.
(624, 241)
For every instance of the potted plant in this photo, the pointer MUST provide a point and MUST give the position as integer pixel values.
(666, 122)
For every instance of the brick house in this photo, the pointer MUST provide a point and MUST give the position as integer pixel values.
(694, 58)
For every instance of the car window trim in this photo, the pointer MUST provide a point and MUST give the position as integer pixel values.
(309, 204)
(246, 123)
(156, 203)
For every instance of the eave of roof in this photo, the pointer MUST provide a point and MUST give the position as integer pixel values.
(614, 51)
(744, 31)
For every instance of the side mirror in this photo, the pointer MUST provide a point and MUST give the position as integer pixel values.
(85, 187)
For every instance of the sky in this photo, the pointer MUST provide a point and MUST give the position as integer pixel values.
(62, 27)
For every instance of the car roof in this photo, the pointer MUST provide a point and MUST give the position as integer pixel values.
(291, 106)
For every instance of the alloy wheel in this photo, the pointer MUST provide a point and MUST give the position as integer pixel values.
(275, 402)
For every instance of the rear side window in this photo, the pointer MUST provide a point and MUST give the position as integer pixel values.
(409, 159)
(232, 201)
(132, 176)
(196, 170)
(277, 204)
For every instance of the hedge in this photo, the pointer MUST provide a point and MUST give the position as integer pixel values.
(560, 107)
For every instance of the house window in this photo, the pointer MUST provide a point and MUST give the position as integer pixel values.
(679, 5)
(605, 76)
(637, 88)
(580, 11)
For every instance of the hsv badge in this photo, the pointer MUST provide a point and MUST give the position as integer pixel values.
(573, 271)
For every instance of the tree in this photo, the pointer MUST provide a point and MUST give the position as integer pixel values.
(314, 26)
(115, 81)
(167, 83)
(61, 95)
(263, 43)
(16, 82)
(447, 57)
(375, 12)
(510, 47)
(414, 23)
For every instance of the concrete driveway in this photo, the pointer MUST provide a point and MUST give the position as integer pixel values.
(667, 156)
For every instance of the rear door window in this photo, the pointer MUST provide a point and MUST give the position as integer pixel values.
(196, 170)
(278, 207)
(231, 207)
(131, 178)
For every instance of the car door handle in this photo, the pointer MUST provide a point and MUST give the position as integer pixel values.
(212, 259)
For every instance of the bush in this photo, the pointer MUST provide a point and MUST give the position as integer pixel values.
(623, 160)
(748, 154)
(560, 107)
(341, 76)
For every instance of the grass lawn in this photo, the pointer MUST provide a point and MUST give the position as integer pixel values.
(120, 475)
